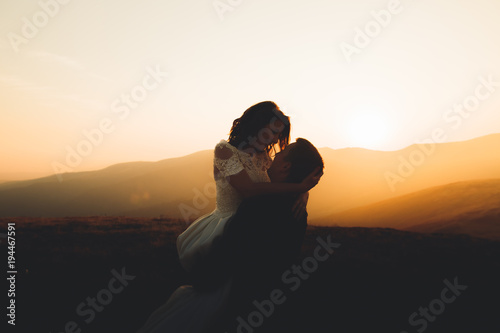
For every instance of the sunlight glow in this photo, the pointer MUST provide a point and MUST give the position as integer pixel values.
(367, 130)
(172, 83)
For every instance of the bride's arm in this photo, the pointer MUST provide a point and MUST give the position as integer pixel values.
(247, 188)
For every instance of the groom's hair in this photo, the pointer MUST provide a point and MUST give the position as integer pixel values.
(304, 158)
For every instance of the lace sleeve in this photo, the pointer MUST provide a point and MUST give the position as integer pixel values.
(227, 161)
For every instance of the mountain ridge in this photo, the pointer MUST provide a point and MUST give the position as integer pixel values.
(354, 177)
(471, 207)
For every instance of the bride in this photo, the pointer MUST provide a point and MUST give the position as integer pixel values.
(240, 171)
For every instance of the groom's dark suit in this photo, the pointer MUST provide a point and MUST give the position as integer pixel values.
(260, 242)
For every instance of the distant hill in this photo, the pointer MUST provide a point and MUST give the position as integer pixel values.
(470, 207)
(355, 177)
(183, 187)
(133, 189)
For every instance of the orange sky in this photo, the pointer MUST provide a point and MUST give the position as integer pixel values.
(87, 84)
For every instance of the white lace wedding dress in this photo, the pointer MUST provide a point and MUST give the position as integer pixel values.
(194, 243)
(187, 310)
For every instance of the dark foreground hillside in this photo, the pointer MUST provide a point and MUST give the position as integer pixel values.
(374, 281)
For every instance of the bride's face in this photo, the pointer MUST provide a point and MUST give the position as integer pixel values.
(269, 135)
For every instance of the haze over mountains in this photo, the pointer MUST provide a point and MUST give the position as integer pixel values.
(354, 177)
(470, 207)
(135, 189)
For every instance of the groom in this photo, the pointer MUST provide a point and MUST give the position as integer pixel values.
(262, 240)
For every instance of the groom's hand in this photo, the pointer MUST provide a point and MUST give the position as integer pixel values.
(312, 179)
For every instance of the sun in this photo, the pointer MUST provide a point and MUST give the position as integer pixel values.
(367, 130)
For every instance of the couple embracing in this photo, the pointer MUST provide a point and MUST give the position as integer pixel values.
(237, 254)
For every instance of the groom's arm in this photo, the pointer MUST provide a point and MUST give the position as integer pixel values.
(264, 228)
(237, 244)
(258, 236)
(263, 240)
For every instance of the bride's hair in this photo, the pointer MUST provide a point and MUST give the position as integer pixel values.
(254, 119)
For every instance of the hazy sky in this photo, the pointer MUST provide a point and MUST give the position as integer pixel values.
(148, 80)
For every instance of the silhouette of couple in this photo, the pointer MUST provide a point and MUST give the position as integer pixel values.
(237, 254)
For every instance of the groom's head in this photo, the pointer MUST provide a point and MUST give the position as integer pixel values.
(295, 162)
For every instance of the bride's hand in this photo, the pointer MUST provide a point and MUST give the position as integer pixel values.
(311, 180)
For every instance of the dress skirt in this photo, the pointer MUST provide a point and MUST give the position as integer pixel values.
(195, 242)
(188, 311)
